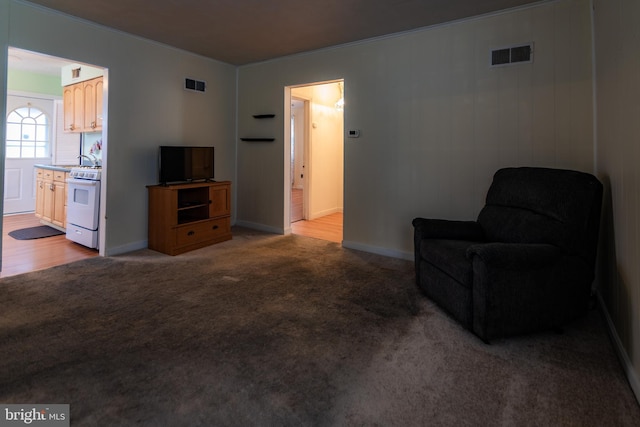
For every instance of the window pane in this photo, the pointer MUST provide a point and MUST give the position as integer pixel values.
(23, 111)
(14, 117)
(13, 152)
(28, 132)
(28, 152)
(42, 149)
(41, 119)
(41, 133)
(13, 131)
(13, 149)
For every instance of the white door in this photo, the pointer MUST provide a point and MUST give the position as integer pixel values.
(29, 134)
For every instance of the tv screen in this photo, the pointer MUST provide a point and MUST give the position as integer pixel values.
(185, 164)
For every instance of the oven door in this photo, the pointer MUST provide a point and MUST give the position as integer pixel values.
(83, 203)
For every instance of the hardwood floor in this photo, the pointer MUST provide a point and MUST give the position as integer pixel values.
(328, 227)
(21, 256)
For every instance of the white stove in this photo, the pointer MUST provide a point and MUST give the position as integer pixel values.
(83, 205)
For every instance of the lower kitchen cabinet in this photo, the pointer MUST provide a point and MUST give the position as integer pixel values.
(51, 197)
(185, 217)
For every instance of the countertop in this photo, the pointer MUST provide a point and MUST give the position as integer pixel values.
(63, 168)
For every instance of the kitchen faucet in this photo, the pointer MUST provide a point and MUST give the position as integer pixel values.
(93, 159)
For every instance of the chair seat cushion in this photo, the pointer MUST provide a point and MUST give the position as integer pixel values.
(449, 256)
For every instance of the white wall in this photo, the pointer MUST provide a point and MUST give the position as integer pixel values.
(617, 43)
(327, 160)
(147, 105)
(435, 120)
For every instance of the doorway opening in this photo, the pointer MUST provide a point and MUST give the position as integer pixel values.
(315, 160)
(36, 137)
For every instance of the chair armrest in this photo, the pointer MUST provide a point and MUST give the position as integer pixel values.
(427, 228)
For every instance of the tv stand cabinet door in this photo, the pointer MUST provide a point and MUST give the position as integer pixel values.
(220, 195)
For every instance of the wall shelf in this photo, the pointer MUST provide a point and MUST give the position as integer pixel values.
(258, 139)
(260, 116)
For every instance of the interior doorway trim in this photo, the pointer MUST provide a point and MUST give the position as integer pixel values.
(309, 169)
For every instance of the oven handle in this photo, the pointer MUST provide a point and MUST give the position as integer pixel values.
(85, 182)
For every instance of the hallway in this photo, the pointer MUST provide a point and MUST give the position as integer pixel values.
(328, 227)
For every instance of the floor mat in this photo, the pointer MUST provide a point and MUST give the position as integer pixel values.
(35, 232)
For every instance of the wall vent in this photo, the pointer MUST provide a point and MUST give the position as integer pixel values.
(512, 55)
(194, 85)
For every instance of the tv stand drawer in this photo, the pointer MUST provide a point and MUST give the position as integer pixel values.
(202, 231)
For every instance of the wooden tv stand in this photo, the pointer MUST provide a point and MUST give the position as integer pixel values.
(185, 217)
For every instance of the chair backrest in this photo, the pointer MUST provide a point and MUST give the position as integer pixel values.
(541, 205)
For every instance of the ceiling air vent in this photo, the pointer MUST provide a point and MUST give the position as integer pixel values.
(195, 85)
(512, 55)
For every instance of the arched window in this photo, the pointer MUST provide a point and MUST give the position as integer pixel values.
(27, 133)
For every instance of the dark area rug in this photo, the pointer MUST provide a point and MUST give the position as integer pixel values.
(268, 330)
(37, 232)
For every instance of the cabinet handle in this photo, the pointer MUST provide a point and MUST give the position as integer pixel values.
(191, 233)
(51, 187)
(215, 227)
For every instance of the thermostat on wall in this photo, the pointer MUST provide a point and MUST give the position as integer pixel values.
(353, 133)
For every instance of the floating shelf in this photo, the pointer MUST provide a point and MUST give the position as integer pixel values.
(264, 116)
(258, 139)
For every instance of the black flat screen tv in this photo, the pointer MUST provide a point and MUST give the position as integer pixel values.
(178, 164)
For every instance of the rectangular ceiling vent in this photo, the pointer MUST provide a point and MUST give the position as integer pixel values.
(512, 55)
(194, 85)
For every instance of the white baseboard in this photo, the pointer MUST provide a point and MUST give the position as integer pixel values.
(119, 250)
(378, 250)
(627, 366)
(325, 212)
(260, 227)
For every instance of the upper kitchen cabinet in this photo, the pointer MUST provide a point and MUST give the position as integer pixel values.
(82, 98)
(83, 106)
(73, 101)
(92, 90)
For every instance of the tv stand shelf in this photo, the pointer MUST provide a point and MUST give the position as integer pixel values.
(185, 217)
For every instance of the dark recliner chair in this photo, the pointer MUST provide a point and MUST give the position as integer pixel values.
(527, 264)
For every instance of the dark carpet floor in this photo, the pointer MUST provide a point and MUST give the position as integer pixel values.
(285, 331)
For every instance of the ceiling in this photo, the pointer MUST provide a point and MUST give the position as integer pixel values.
(246, 31)
(42, 64)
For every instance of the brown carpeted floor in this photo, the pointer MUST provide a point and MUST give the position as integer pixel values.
(286, 331)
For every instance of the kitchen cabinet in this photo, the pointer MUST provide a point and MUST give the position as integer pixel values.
(92, 90)
(185, 217)
(83, 106)
(51, 197)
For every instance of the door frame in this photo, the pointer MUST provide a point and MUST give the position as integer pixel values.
(105, 145)
(307, 154)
